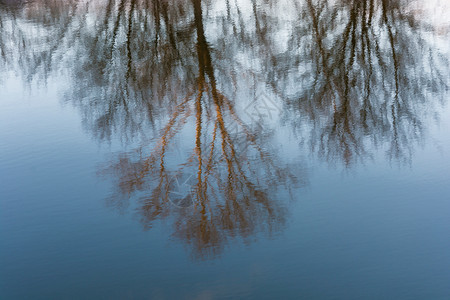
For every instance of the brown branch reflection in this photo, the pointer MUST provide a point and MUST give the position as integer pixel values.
(369, 71)
(232, 185)
(352, 78)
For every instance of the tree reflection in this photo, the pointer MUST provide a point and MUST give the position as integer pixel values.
(367, 71)
(353, 76)
(231, 184)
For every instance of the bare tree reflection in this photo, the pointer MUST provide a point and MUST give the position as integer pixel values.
(354, 76)
(32, 35)
(232, 184)
(367, 71)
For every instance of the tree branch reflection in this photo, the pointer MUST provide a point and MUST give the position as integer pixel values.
(232, 186)
(353, 76)
(367, 71)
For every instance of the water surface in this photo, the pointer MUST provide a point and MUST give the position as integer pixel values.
(224, 149)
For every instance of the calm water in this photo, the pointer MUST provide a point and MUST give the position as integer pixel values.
(224, 149)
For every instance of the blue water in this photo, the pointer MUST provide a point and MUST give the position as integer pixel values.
(364, 219)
